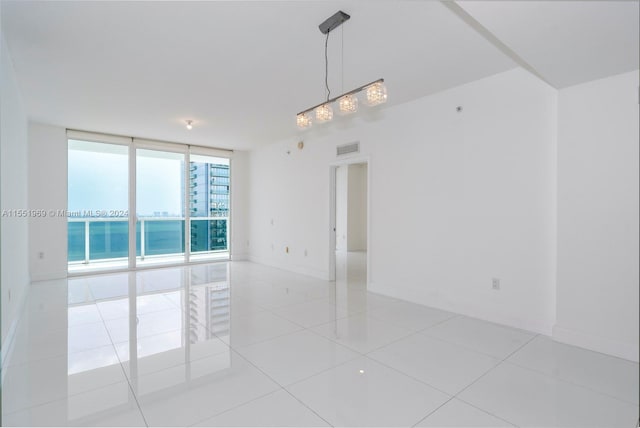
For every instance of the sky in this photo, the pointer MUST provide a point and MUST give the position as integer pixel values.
(99, 181)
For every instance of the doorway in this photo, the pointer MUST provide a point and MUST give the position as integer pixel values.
(350, 233)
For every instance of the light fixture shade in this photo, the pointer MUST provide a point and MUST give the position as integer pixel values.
(376, 94)
(324, 113)
(348, 104)
(303, 120)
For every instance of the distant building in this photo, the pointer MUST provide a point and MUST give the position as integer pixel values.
(209, 200)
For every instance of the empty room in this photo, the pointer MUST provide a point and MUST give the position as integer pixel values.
(319, 213)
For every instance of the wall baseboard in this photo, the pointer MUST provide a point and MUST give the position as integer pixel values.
(534, 327)
(49, 276)
(628, 351)
(7, 348)
(8, 342)
(295, 269)
(239, 257)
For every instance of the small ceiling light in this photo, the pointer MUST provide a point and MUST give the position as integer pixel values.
(348, 104)
(303, 120)
(376, 94)
(361, 371)
(189, 125)
(324, 113)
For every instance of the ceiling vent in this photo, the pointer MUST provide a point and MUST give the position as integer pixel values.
(348, 148)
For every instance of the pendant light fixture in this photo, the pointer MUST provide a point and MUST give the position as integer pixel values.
(348, 104)
(375, 92)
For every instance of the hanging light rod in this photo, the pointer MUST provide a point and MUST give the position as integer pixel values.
(351, 92)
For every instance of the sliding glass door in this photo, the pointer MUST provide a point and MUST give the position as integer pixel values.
(160, 206)
(98, 213)
(209, 185)
(179, 197)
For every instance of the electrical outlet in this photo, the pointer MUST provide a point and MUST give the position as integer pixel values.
(495, 283)
(9, 294)
(305, 252)
(41, 255)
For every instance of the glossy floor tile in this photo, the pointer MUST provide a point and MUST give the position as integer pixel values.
(602, 373)
(258, 327)
(242, 344)
(113, 405)
(529, 398)
(481, 336)
(162, 351)
(83, 337)
(119, 308)
(445, 366)
(296, 356)
(456, 413)
(365, 393)
(409, 315)
(42, 381)
(361, 332)
(30, 344)
(84, 314)
(279, 409)
(148, 324)
(187, 394)
(312, 313)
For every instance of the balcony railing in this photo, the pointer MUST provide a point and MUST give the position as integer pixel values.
(93, 239)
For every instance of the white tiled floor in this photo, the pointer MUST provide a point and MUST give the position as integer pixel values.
(239, 344)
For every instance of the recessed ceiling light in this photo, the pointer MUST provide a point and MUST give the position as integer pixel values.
(189, 124)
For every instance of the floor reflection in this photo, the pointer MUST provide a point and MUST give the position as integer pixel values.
(241, 344)
(118, 329)
(165, 315)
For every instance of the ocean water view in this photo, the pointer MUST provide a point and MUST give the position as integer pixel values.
(109, 239)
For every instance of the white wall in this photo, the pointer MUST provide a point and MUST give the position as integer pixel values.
(240, 205)
(351, 207)
(357, 211)
(47, 191)
(598, 216)
(342, 206)
(456, 199)
(289, 199)
(13, 196)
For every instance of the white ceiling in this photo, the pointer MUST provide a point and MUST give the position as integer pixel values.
(241, 70)
(566, 42)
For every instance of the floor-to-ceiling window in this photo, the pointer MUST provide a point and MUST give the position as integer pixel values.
(179, 197)
(98, 212)
(160, 206)
(209, 205)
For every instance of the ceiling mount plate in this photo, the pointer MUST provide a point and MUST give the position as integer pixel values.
(333, 22)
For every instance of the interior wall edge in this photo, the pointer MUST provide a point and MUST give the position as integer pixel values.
(14, 170)
(314, 273)
(627, 351)
(535, 326)
(9, 341)
(49, 276)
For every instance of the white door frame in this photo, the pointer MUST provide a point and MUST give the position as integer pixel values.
(332, 212)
